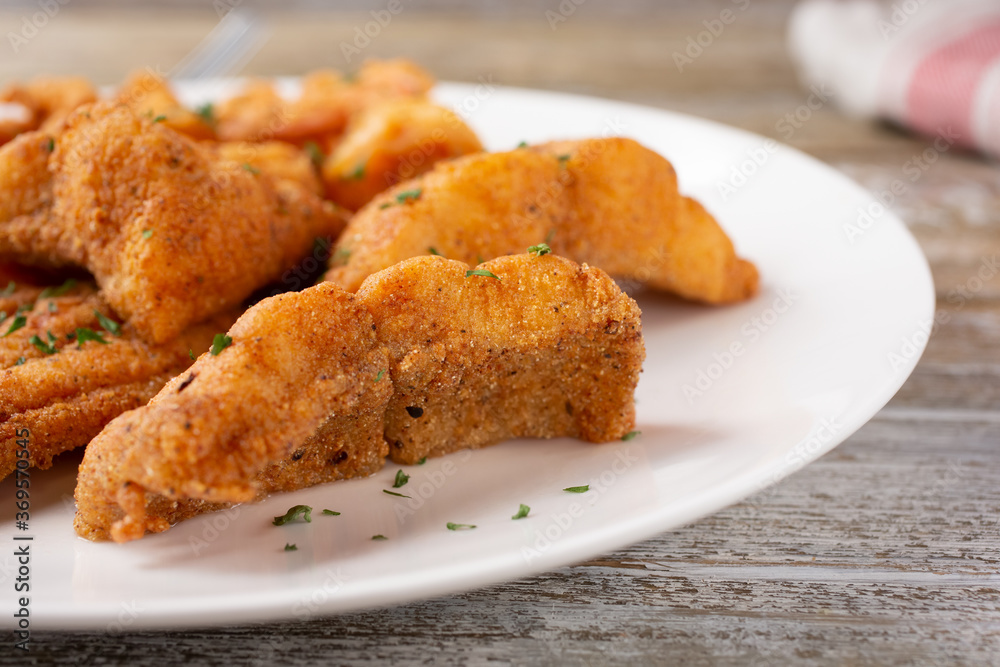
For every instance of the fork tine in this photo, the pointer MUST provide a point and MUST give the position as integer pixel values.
(226, 49)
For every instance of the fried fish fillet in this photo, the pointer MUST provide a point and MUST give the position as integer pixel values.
(41, 104)
(172, 229)
(295, 400)
(609, 202)
(147, 94)
(66, 372)
(392, 142)
(545, 349)
(426, 356)
(327, 103)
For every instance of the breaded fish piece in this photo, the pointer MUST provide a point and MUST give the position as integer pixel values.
(392, 142)
(608, 202)
(296, 399)
(546, 349)
(41, 104)
(66, 372)
(315, 382)
(147, 94)
(327, 102)
(172, 231)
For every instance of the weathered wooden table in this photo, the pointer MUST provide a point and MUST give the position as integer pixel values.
(884, 551)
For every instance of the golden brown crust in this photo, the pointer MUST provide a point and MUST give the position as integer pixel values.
(431, 358)
(46, 103)
(547, 349)
(607, 202)
(158, 218)
(148, 95)
(66, 397)
(391, 142)
(296, 362)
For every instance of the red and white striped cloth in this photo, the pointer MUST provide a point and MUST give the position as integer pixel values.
(932, 65)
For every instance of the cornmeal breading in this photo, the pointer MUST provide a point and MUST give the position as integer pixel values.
(609, 202)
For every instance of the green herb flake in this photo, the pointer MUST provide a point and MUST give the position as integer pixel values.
(631, 434)
(159, 119)
(191, 354)
(108, 324)
(83, 335)
(548, 237)
(45, 348)
(393, 493)
(480, 272)
(18, 323)
(252, 169)
(331, 513)
(523, 144)
(408, 195)
(53, 307)
(379, 537)
(52, 292)
(522, 512)
(385, 205)
(50, 145)
(578, 489)
(219, 343)
(9, 289)
(563, 159)
(432, 250)
(378, 378)
(358, 173)
(341, 257)
(207, 112)
(20, 361)
(290, 547)
(539, 250)
(459, 526)
(292, 514)
(401, 479)
(146, 233)
(422, 461)
(315, 153)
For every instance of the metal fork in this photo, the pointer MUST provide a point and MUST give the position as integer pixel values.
(227, 49)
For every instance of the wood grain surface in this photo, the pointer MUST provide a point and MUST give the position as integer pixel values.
(885, 551)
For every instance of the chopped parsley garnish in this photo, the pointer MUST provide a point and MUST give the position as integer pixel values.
(46, 348)
(252, 169)
(51, 145)
(578, 489)
(539, 250)
(331, 513)
(159, 119)
(290, 547)
(379, 537)
(108, 324)
(146, 233)
(631, 434)
(9, 289)
(523, 144)
(393, 493)
(563, 159)
(385, 205)
(480, 272)
(522, 512)
(207, 112)
(378, 377)
(292, 514)
(401, 479)
(82, 335)
(50, 292)
(18, 323)
(315, 153)
(53, 307)
(459, 526)
(432, 250)
(422, 461)
(407, 195)
(20, 361)
(191, 354)
(341, 256)
(219, 343)
(358, 173)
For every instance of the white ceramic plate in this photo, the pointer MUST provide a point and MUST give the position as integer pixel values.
(839, 325)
